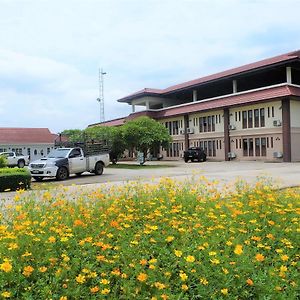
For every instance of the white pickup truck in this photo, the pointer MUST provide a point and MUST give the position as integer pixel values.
(62, 162)
(14, 159)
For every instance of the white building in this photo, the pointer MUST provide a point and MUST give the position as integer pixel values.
(35, 142)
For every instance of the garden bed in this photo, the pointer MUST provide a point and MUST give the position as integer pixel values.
(12, 179)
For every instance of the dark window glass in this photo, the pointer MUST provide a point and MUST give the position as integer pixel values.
(263, 147)
(220, 144)
(205, 147)
(256, 117)
(209, 123)
(262, 117)
(273, 114)
(245, 147)
(239, 116)
(257, 147)
(244, 119)
(201, 124)
(209, 148)
(204, 124)
(267, 142)
(250, 118)
(213, 123)
(240, 144)
(268, 112)
(236, 118)
(272, 142)
(250, 147)
(214, 147)
(236, 143)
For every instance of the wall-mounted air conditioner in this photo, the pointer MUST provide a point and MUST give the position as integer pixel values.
(276, 123)
(190, 130)
(181, 131)
(232, 127)
(277, 154)
(231, 155)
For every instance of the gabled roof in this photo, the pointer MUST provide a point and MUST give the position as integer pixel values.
(26, 136)
(235, 71)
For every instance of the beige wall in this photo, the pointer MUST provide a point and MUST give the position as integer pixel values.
(295, 113)
(295, 144)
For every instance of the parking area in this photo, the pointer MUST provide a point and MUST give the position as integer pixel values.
(285, 174)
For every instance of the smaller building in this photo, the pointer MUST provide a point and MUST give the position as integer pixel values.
(35, 142)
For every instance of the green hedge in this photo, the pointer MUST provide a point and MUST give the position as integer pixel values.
(12, 179)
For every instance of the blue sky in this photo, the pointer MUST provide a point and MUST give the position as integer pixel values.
(50, 51)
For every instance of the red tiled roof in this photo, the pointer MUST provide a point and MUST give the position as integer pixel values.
(115, 122)
(245, 98)
(26, 136)
(231, 72)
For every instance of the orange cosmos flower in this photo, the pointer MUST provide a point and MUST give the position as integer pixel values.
(259, 257)
(142, 277)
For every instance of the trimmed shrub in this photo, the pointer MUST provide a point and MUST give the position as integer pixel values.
(12, 179)
(3, 161)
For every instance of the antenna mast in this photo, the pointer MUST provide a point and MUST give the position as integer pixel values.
(101, 94)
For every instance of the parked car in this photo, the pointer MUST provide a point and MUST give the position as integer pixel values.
(62, 162)
(194, 153)
(15, 159)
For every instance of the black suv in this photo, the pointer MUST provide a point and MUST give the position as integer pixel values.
(194, 153)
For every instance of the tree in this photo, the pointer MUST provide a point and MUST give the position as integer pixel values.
(73, 135)
(113, 136)
(145, 135)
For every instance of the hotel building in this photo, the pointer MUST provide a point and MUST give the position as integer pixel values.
(247, 113)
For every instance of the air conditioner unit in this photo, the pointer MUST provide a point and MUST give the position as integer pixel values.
(277, 154)
(276, 123)
(231, 155)
(181, 131)
(190, 130)
(232, 127)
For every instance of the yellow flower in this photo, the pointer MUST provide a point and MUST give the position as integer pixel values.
(184, 287)
(183, 276)
(104, 281)
(249, 281)
(143, 262)
(284, 257)
(80, 279)
(259, 257)
(6, 267)
(224, 291)
(6, 294)
(215, 261)
(105, 291)
(94, 289)
(170, 239)
(42, 269)
(51, 239)
(27, 271)
(283, 268)
(159, 285)
(178, 253)
(190, 258)
(63, 298)
(142, 277)
(238, 249)
(212, 253)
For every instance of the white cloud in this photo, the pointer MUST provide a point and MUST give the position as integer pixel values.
(51, 50)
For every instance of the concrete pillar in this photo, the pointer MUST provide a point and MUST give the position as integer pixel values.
(147, 105)
(234, 86)
(194, 95)
(226, 133)
(288, 75)
(286, 129)
(186, 136)
(133, 107)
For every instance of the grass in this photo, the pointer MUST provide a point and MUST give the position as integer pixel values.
(137, 166)
(152, 241)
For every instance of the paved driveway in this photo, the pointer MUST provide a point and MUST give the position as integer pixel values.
(283, 174)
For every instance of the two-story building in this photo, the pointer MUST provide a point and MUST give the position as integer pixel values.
(247, 113)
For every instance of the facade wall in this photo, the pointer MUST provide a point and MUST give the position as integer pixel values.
(295, 130)
(35, 151)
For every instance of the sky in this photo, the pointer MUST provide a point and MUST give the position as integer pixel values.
(51, 51)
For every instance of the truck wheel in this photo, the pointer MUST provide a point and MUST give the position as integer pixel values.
(98, 168)
(186, 160)
(37, 178)
(21, 163)
(62, 173)
(79, 174)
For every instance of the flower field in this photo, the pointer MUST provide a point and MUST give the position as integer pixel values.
(155, 241)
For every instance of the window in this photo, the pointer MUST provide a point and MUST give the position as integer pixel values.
(35, 152)
(48, 150)
(263, 147)
(239, 116)
(236, 116)
(244, 119)
(256, 117)
(209, 123)
(273, 114)
(245, 147)
(236, 144)
(213, 123)
(268, 112)
(250, 118)
(204, 124)
(201, 124)
(257, 147)
(272, 142)
(262, 117)
(250, 143)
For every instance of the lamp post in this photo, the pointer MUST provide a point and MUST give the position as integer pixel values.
(100, 99)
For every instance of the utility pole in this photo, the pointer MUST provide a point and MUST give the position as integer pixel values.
(100, 99)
